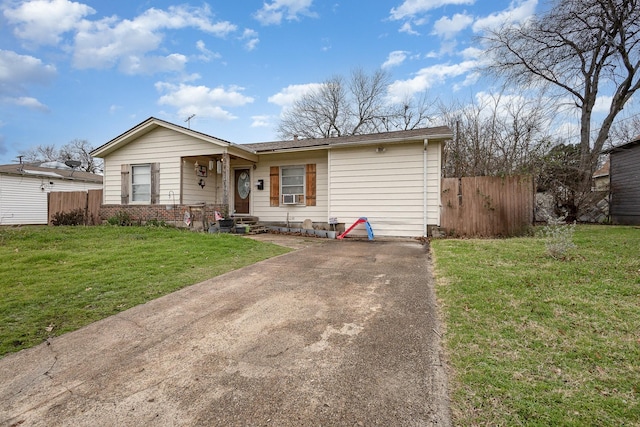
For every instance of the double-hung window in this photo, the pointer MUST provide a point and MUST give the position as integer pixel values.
(292, 184)
(141, 183)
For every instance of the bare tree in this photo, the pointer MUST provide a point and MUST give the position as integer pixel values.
(582, 49)
(354, 107)
(78, 149)
(409, 113)
(40, 153)
(317, 114)
(497, 135)
(368, 93)
(623, 131)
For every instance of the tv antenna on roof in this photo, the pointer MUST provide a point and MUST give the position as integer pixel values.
(188, 120)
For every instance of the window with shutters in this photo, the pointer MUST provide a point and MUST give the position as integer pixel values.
(292, 184)
(141, 183)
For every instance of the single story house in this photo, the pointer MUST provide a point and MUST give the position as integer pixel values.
(159, 170)
(24, 190)
(624, 186)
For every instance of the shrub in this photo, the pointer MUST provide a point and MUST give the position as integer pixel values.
(74, 217)
(558, 237)
(155, 223)
(121, 218)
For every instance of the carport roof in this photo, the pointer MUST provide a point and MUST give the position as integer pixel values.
(25, 169)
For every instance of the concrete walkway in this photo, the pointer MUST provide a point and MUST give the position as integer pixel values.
(335, 333)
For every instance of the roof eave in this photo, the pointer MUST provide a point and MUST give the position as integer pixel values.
(399, 140)
(293, 150)
(622, 147)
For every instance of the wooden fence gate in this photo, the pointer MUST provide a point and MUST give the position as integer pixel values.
(487, 206)
(67, 201)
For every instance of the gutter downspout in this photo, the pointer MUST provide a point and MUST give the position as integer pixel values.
(424, 189)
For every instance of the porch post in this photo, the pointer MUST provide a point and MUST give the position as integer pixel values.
(226, 180)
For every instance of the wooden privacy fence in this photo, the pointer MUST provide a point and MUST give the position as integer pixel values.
(487, 206)
(67, 201)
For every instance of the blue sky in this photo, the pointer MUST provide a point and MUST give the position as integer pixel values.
(93, 69)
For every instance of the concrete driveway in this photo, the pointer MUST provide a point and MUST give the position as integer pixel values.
(335, 333)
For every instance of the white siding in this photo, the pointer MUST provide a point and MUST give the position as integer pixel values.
(260, 199)
(23, 200)
(192, 193)
(166, 147)
(385, 187)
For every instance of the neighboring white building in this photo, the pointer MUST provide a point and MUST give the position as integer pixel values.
(24, 189)
(159, 170)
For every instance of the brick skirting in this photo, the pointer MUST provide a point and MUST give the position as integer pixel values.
(201, 215)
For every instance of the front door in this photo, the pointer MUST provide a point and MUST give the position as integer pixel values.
(242, 190)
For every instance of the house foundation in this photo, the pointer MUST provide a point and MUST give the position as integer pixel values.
(198, 216)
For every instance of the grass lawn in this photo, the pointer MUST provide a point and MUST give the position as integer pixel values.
(533, 340)
(57, 279)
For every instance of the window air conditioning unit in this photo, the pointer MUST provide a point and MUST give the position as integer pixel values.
(288, 199)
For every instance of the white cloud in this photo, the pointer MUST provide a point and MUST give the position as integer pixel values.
(449, 27)
(28, 102)
(407, 28)
(205, 54)
(518, 11)
(44, 21)
(448, 47)
(251, 37)
(261, 121)
(472, 53)
(17, 72)
(110, 41)
(395, 58)
(151, 64)
(326, 44)
(177, 17)
(469, 80)
(603, 104)
(410, 8)
(291, 93)
(273, 13)
(202, 100)
(427, 78)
